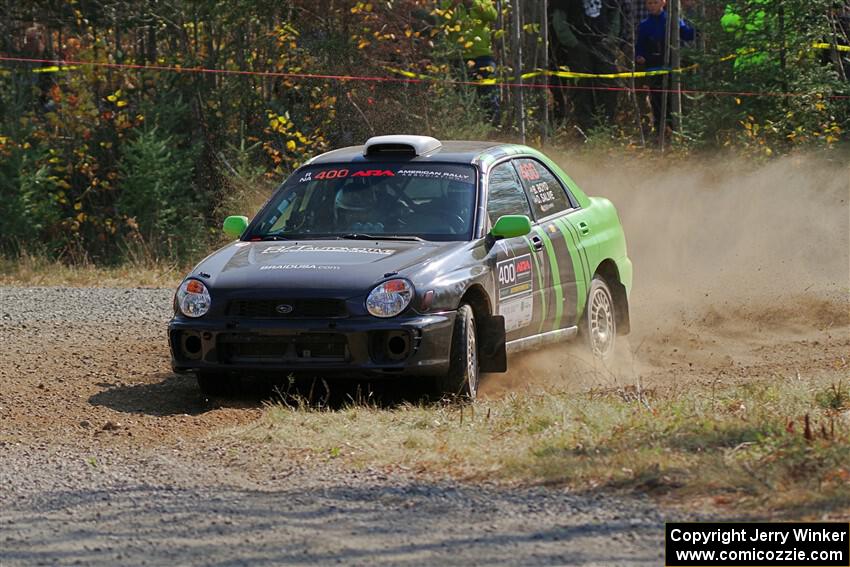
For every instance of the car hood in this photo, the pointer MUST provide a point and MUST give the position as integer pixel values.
(332, 266)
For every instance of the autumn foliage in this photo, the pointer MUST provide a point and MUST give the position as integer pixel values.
(136, 126)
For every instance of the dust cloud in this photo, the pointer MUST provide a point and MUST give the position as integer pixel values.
(740, 268)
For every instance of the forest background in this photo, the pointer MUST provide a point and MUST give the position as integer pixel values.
(115, 148)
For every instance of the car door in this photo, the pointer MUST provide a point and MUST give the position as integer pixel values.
(550, 205)
(521, 277)
(580, 223)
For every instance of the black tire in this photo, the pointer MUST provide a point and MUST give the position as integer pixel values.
(463, 375)
(599, 324)
(217, 384)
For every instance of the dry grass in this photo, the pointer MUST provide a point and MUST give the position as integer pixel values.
(743, 446)
(29, 270)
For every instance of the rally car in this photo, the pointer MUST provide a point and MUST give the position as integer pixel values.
(406, 258)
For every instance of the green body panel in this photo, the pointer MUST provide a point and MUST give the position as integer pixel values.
(540, 283)
(557, 286)
(610, 241)
(578, 264)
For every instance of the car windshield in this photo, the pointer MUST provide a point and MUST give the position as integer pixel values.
(383, 200)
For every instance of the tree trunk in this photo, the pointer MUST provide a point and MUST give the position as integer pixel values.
(675, 63)
(517, 41)
(665, 83)
(502, 59)
(545, 23)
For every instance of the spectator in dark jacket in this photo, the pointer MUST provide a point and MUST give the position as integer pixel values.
(649, 51)
(35, 47)
(585, 34)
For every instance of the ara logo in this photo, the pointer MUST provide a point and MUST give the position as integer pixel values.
(373, 173)
(523, 266)
(284, 309)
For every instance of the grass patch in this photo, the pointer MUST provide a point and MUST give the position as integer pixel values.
(778, 446)
(30, 270)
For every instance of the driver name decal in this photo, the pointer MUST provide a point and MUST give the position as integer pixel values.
(542, 196)
(338, 249)
(516, 287)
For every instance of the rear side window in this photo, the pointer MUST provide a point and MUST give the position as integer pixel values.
(545, 192)
(506, 196)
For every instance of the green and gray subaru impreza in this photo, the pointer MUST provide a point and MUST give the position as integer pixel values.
(406, 258)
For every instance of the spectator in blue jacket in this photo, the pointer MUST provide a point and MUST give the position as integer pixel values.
(649, 51)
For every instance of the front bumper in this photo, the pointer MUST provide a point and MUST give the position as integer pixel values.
(418, 345)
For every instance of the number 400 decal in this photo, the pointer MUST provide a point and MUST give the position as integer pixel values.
(528, 171)
(509, 270)
(343, 173)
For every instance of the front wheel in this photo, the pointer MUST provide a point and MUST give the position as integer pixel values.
(462, 377)
(600, 324)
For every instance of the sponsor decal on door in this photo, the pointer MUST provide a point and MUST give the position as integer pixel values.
(516, 291)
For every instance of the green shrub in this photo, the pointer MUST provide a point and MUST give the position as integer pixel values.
(157, 199)
(765, 47)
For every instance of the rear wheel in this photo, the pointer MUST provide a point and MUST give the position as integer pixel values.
(600, 324)
(462, 377)
(217, 383)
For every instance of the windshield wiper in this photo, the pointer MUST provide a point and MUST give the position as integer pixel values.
(361, 236)
(274, 237)
(293, 237)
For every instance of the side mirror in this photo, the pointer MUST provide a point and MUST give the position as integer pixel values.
(510, 226)
(234, 226)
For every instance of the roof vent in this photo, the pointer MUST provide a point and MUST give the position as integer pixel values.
(401, 145)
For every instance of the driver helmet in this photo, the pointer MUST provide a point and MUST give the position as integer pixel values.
(355, 206)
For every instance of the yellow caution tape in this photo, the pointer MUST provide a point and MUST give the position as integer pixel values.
(421, 77)
(49, 69)
(525, 76)
(54, 69)
(559, 74)
(626, 75)
(831, 46)
(407, 74)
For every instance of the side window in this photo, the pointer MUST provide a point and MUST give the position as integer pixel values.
(506, 196)
(545, 192)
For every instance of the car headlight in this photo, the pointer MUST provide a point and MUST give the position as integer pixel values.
(193, 298)
(390, 298)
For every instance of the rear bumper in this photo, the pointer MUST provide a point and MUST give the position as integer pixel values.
(353, 347)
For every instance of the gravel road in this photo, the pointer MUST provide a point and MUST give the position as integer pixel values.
(107, 458)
